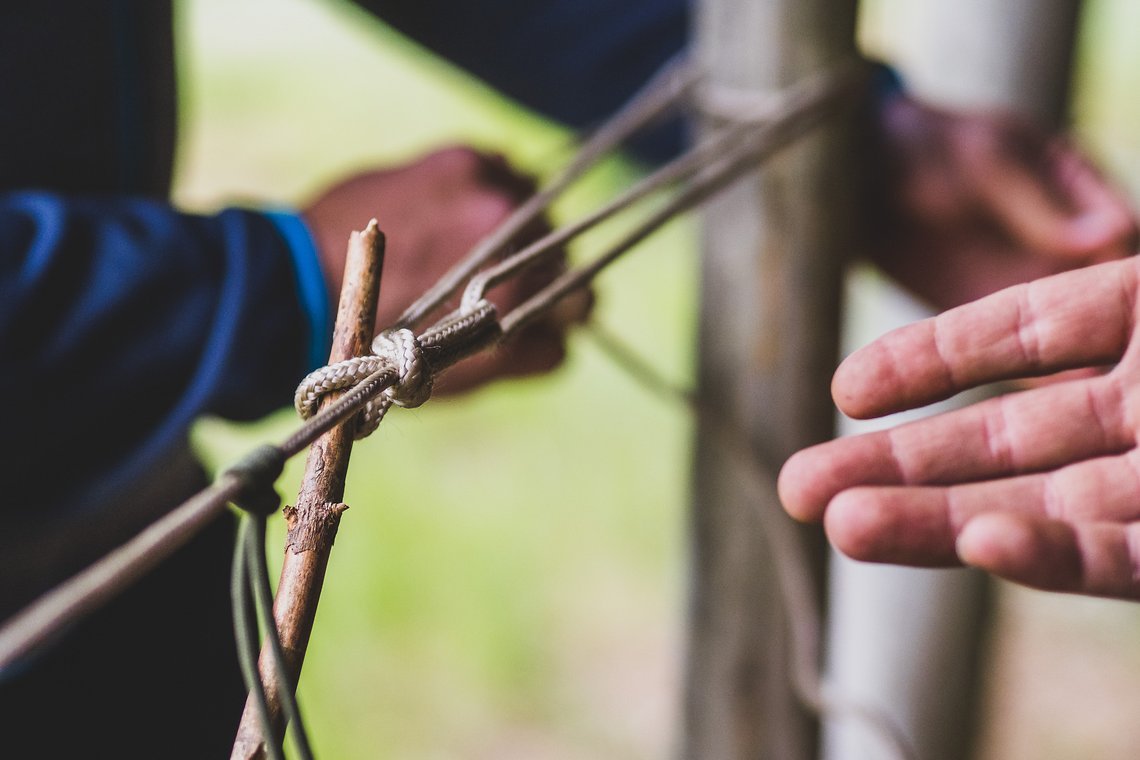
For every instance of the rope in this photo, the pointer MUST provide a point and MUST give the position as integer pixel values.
(401, 348)
(661, 95)
(722, 158)
(245, 633)
(785, 546)
(403, 366)
(251, 572)
(409, 362)
(93, 586)
(739, 151)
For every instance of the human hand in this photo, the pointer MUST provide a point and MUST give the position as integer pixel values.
(964, 205)
(1041, 487)
(432, 211)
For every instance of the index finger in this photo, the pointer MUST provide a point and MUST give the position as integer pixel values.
(1074, 319)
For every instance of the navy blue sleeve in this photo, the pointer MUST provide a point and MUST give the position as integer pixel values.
(122, 320)
(574, 60)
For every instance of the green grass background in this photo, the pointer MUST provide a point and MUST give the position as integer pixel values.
(509, 579)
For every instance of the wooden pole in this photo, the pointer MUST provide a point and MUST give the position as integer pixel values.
(773, 248)
(313, 522)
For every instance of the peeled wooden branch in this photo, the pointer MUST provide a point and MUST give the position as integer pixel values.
(313, 522)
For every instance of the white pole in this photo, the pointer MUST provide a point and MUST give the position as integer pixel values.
(908, 641)
(768, 341)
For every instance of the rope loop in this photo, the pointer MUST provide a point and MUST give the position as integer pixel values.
(402, 350)
(412, 361)
(341, 376)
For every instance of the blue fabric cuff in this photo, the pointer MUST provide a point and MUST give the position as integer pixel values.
(310, 283)
(886, 82)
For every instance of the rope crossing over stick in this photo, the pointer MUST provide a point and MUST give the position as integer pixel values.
(357, 388)
(314, 519)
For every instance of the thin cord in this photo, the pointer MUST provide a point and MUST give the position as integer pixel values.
(685, 165)
(245, 634)
(662, 94)
(789, 561)
(257, 575)
(805, 107)
(741, 144)
(92, 587)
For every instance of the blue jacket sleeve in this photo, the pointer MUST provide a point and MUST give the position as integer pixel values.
(122, 320)
(574, 60)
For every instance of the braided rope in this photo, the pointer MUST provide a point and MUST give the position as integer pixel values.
(340, 376)
(398, 349)
(401, 347)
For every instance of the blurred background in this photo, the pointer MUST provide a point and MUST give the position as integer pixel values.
(510, 578)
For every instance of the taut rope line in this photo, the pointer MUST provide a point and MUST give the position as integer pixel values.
(657, 98)
(789, 564)
(403, 364)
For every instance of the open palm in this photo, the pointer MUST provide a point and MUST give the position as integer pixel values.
(1041, 487)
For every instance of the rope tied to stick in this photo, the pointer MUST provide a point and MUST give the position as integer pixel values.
(414, 362)
(257, 472)
(401, 347)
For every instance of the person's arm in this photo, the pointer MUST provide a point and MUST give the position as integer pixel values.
(1040, 487)
(121, 320)
(575, 61)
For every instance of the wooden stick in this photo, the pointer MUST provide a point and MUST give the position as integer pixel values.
(313, 522)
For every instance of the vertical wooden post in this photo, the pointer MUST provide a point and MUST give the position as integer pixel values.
(768, 343)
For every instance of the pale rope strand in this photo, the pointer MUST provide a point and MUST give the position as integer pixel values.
(742, 112)
(730, 104)
(401, 347)
(664, 92)
(683, 166)
(399, 352)
(789, 562)
(805, 108)
(334, 377)
(338, 376)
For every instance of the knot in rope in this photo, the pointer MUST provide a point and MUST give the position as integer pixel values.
(401, 365)
(342, 376)
(402, 348)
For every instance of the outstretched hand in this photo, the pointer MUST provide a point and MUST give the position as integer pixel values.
(964, 205)
(432, 211)
(1041, 487)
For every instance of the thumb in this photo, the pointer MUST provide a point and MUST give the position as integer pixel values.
(1018, 195)
(1052, 202)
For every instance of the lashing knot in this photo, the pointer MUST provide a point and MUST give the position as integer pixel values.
(401, 347)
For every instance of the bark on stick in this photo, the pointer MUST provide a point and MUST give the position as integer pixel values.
(314, 520)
